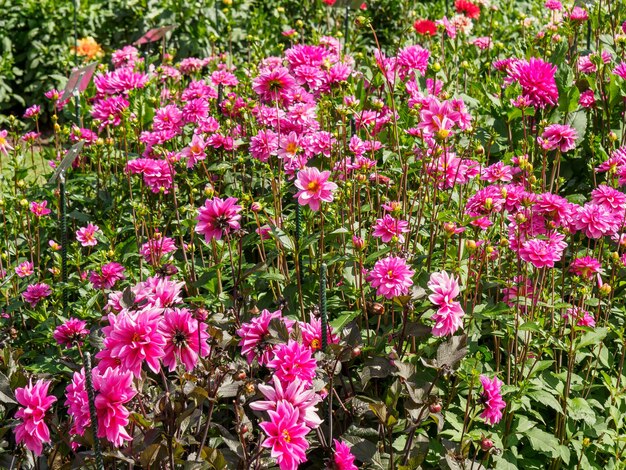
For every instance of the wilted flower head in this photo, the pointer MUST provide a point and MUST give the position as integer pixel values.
(32, 429)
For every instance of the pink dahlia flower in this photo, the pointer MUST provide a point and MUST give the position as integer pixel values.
(536, 78)
(254, 334)
(32, 429)
(109, 274)
(77, 402)
(24, 269)
(35, 293)
(293, 361)
(543, 253)
(218, 217)
(286, 436)
(39, 208)
(581, 316)
(595, 221)
(274, 84)
(87, 235)
(71, 332)
(389, 228)
(314, 187)
(183, 342)
(115, 388)
(491, 398)
(343, 458)
(297, 393)
(312, 334)
(558, 136)
(391, 277)
(586, 267)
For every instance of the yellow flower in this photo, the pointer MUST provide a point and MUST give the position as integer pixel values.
(89, 48)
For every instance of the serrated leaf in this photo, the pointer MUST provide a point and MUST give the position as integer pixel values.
(579, 409)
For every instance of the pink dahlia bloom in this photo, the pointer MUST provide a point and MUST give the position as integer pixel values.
(77, 403)
(71, 332)
(273, 84)
(127, 56)
(555, 5)
(343, 458)
(32, 429)
(314, 187)
(254, 334)
(32, 111)
(183, 342)
(286, 436)
(536, 78)
(445, 288)
(293, 361)
(558, 136)
(449, 316)
(586, 267)
(581, 316)
(157, 247)
(109, 110)
(87, 235)
(109, 274)
(134, 337)
(297, 393)
(543, 253)
(388, 229)
(115, 388)
(24, 269)
(194, 152)
(263, 145)
(35, 293)
(5, 146)
(391, 277)
(620, 70)
(497, 172)
(595, 221)
(587, 99)
(39, 208)
(612, 199)
(158, 292)
(491, 398)
(312, 334)
(218, 217)
(122, 80)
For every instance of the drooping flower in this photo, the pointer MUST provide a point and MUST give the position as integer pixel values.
(492, 400)
(293, 361)
(77, 403)
(218, 217)
(343, 458)
(297, 393)
(34, 293)
(115, 388)
(389, 228)
(445, 288)
(314, 187)
(254, 334)
(72, 332)
(449, 315)
(109, 274)
(183, 342)
(448, 318)
(391, 277)
(285, 436)
(32, 429)
(87, 235)
(586, 267)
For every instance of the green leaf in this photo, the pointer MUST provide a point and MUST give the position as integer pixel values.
(543, 442)
(579, 409)
(592, 337)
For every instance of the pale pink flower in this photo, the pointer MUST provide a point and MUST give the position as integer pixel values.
(194, 152)
(4, 143)
(24, 269)
(87, 235)
(391, 277)
(314, 187)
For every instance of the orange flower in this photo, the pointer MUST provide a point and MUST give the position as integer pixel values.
(88, 48)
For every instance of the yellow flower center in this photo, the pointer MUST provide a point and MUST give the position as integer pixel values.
(286, 436)
(292, 147)
(315, 344)
(3, 141)
(313, 186)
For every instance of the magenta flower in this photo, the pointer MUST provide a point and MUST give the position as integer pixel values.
(195, 151)
(343, 458)
(586, 267)
(109, 274)
(218, 217)
(254, 334)
(34, 293)
(87, 235)
(32, 429)
(273, 84)
(32, 111)
(39, 208)
(543, 253)
(72, 332)
(388, 229)
(445, 288)
(581, 316)
(314, 187)
(449, 316)
(115, 388)
(183, 343)
(24, 269)
(391, 277)
(285, 436)
(536, 78)
(134, 337)
(491, 398)
(293, 361)
(312, 334)
(77, 403)
(157, 247)
(595, 220)
(297, 393)
(558, 136)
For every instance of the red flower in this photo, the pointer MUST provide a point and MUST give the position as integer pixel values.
(425, 27)
(467, 8)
